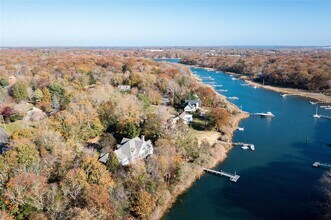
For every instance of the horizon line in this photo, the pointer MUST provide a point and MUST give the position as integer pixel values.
(157, 46)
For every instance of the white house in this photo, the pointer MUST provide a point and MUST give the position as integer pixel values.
(124, 88)
(134, 149)
(131, 150)
(187, 118)
(190, 108)
(192, 105)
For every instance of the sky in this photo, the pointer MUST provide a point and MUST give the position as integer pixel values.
(164, 23)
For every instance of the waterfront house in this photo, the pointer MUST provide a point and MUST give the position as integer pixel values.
(190, 108)
(3, 141)
(131, 150)
(192, 105)
(124, 88)
(187, 118)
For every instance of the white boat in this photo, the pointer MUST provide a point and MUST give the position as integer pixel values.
(267, 115)
(233, 98)
(325, 106)
(316, 114)
(240, 129)
(244, 84)
(252, 147)
(328, 108)
(234, 78)
(222, 90)
(284, 95)
(245, 147)
(255, 87)
(218, 85)
(313, 103)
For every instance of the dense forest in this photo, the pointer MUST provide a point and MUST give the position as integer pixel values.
(306, 70)
(303, 68)
(61, 109)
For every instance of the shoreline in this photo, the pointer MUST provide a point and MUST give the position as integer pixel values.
(318, 97)
(218, 154)
(313, 96)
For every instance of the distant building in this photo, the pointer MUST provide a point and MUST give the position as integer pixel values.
(3, 141)
(124, 88)
(165, 101)
(196, 103)
(131, 150)
(187, 118)
(35, 115)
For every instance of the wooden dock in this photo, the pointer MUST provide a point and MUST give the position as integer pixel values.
(233, 177)
(241, 144)
(325, 116)
(318, 164)
(251, 146)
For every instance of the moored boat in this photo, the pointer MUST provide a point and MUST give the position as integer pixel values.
(267, 115)
(233, 98)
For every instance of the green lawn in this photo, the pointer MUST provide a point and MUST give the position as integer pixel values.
(198, 123)
(12, 127)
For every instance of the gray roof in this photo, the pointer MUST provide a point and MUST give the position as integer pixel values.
(190, 105)
(192, 102)
(130, 148)
(3, 136)
(104, 157)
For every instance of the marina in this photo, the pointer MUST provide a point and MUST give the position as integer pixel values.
(280, 145)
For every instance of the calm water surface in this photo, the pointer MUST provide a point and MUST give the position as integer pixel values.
(277, 180)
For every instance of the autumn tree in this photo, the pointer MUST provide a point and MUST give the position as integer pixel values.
(25, 194)
(152, 127)
(207, 96)
(74, 184)
(143, 204)
(107, 142)
(221, 116)
(19, 91)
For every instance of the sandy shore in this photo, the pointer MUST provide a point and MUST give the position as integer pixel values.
(318, 97)
(217, 154)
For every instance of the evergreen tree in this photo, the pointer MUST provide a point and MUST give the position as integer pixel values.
(112, 162)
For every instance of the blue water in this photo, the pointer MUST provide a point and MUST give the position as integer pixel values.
(277, 180)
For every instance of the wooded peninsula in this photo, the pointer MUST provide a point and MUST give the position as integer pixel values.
(97, 134)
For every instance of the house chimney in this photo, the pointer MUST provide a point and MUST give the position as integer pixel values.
(143, 138)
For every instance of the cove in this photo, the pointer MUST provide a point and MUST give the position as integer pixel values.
(277, 180)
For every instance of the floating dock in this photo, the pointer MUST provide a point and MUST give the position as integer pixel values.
(318, 164)
(233, 177)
